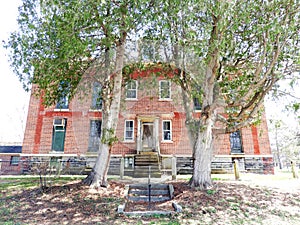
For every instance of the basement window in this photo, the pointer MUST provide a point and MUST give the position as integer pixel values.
(129, 162)
(14, 160)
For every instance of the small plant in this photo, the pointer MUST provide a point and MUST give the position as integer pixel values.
(235, 206)
(211, 191)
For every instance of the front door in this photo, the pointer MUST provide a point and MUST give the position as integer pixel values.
(148, 140)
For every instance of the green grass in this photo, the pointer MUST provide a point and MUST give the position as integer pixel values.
(22, 183)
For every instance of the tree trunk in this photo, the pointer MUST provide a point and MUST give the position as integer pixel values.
(203, 156)
(110, 116)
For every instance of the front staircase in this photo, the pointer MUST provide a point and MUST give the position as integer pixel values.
(143, 161)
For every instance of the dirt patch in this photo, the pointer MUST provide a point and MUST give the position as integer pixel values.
(229, 202)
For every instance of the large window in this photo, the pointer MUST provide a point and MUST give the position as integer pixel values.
(63, 97)
(167, 130)
(62, 103)
(129, 128)
(131, 89)
(58, 134)
(97, 100)
(164, 89)
(236, 142)
(95, 133)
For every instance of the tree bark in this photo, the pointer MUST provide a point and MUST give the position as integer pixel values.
(203, 155)
(98, 176)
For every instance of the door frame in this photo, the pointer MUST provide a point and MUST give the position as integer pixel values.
(140, 126)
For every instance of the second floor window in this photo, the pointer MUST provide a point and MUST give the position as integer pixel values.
(62, 103)
(164, 89)
(97, 100)
(197, 103)
(131, 89)
(63, 98)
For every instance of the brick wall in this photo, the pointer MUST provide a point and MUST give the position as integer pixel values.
(39, 128)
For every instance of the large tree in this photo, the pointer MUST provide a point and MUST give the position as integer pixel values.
(60, 42)
(235, 51)
(243, 49)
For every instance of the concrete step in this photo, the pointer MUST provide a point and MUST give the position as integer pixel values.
(146, 192)
(154, 186)
(158, 192)
(146, 163)
(146, 199)
(146, 167)
(144, 175)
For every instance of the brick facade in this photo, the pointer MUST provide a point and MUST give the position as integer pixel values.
(147, 108)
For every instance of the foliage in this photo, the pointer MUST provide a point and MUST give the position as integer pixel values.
(234, 51)
(58, 41)
(108, 137)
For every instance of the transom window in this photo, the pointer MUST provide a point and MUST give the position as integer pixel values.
(236, 142)
(97, 100)
(129, 128)
(131, 89)
(164, 89)
(167, 130)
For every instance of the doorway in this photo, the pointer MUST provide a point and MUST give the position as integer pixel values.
(148, 140)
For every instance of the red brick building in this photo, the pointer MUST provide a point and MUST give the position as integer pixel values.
(152, 119)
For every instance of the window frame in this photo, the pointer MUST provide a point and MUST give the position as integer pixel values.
(62, 103)
(131, 90)
(161, 90)
(97, 99)
(197, 107)
(56, 129)
(164, 130)
(128, 138)
(238, 137)
(97, 134)
(14, 160)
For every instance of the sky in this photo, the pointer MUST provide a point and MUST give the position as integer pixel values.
(14, 100)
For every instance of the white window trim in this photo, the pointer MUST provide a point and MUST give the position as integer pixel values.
(160, 98)
(162, 129)
(136, 91)
(132, 138)
(61, 110)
